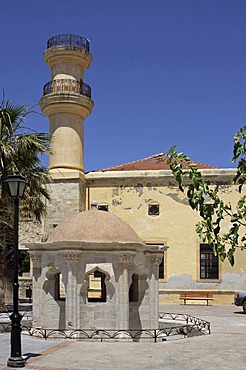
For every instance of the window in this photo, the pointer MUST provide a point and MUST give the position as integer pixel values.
(60, 293)
(154, 210)
(96, 287)
(133, 290)
(209, 263)
(102, 207)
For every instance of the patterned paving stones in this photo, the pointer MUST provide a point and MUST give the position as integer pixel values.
(224, 349)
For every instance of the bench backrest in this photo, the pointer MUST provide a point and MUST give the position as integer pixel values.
(196, 295)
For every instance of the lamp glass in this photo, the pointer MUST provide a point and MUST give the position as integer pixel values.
(16, 184)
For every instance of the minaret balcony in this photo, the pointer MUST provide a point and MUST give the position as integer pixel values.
(69, 40)
(67, 86)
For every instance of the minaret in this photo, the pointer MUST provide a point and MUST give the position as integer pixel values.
(67, 102)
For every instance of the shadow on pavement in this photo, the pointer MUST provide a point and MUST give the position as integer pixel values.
(29, 355)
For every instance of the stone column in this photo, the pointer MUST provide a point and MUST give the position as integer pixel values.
(123, 291)
(154, 291)
(71, 296)
(37, 291)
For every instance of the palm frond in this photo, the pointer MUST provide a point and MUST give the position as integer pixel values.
(21, 152)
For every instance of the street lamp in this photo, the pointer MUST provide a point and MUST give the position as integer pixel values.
(16, 184)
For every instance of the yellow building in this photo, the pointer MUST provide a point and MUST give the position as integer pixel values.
(145, 194)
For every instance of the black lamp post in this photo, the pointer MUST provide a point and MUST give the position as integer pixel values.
(16, 184)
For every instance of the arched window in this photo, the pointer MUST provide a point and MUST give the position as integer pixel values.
(96, 287)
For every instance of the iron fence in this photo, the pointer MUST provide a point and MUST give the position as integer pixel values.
(69, 40)
(190, 320)
(66, 86)
(175, 324)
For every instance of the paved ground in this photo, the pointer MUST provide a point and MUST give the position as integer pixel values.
(224, 349)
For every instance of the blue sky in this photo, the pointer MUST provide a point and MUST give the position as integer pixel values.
(164, 72)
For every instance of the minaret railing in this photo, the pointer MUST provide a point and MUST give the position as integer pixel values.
(69, 40)
(66, 86)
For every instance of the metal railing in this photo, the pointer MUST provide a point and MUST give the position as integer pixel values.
(69, 40)
(66, 86)
(174, 325)
(191, 321)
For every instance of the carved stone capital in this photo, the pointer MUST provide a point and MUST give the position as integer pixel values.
(36, 258)
(155, 260)
(71, 258)
(125, 259)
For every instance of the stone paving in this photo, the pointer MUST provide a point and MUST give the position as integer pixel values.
(224, 348)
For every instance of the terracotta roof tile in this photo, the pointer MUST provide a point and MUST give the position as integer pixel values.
(154, 162)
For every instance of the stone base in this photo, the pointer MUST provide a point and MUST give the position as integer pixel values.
(16, 362)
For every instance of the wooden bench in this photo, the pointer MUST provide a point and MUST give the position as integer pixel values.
(195, 296)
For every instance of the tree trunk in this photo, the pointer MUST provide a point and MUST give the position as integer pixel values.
(6, 261)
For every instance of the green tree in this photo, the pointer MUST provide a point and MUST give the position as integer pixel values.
(199, 190)
(20, 150)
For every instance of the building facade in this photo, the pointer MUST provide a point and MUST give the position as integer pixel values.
(150, 201)
(142, 193)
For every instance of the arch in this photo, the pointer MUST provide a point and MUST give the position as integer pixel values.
(53, 298)
(133, 290)
(54, 284)
(96, 286)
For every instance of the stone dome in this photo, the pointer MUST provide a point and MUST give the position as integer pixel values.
(94, 226)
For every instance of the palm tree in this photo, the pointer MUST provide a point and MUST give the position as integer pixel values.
(20, 150)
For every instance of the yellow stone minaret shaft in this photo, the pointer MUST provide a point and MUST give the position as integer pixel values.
(67, 102)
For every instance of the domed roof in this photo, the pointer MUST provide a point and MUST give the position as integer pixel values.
(94, 226)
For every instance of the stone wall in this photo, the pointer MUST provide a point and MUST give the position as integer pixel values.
(67, 198)
(30, 231)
